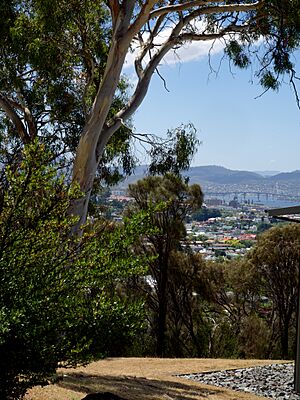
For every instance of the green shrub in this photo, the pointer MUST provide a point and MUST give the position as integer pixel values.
(58, 300)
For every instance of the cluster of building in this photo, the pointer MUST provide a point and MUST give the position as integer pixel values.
(230, 235)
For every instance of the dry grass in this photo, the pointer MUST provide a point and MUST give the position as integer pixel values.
(144, 379)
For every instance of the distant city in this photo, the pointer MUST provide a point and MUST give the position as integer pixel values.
(268, 188)
(235, 204)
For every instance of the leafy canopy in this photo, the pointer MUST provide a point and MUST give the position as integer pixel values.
(53, 55)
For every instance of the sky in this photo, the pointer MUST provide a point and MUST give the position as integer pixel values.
(237, 129)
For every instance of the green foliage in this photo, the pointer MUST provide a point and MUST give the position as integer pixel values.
(53, 55)
(239, 308)
(278, 22)
(59, 298)
(224, 340)
(188, 324)
(276, 257)
(172, 199)
(253, 300)
(233, 292)
(247, 243)
(176, 153)
(262, 227)
(205, 213)
(234, 50)
(255, 338)
(269, 81)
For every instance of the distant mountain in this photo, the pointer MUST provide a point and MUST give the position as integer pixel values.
(286, 176)
(140, 172)
(217, 174)
(220, 175)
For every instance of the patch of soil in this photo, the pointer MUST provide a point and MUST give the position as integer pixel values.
(143, 379)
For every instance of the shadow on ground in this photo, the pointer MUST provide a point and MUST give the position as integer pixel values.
(134, 388)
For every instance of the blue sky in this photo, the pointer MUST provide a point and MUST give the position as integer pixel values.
(237, 131)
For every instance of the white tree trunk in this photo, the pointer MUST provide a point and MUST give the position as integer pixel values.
(94, 138)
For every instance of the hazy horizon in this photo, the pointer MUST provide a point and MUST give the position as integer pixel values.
(271, 172)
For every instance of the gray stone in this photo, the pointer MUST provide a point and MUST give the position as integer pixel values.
(273, 381)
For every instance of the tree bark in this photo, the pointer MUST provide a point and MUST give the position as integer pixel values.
(94, 138)
(163, 251)
(162, 308)
(285, 342)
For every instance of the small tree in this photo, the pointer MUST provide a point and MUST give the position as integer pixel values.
(173, 199)
(58, 300)
(188, 324)
(233, 292)
(277, 259)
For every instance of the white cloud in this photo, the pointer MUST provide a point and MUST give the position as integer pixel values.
(193, 51)
(190, 51)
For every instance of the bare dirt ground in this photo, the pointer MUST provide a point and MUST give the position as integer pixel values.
(144, 379)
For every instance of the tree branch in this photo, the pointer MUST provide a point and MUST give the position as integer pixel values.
(142, 18)
(215, 9)
(229, 8)
(114, 7)
(292, 82)
(145, 76)
(15, 119)
(30, 122)
(186, 37)
(27, 114)
(140, 92)
(178, 7)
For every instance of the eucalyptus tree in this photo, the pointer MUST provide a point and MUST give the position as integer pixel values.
(53, 56)
(58, 57)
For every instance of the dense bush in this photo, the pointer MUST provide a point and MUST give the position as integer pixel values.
(204, 213)
(59, 305)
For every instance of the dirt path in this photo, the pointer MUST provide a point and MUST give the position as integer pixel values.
(144, 379)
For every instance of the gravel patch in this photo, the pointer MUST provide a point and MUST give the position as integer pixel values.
(275, 381)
